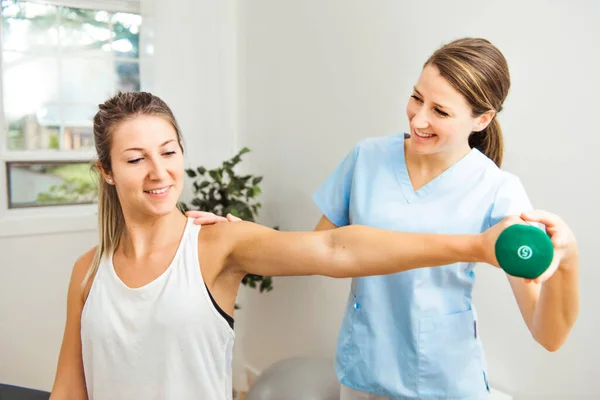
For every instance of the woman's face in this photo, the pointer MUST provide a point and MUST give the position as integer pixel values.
(147, 166)
(441, 120)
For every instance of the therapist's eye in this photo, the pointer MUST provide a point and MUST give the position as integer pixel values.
(441, 113)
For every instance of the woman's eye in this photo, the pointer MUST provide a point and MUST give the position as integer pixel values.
(137, 160)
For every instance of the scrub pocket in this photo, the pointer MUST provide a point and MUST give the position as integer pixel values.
(450, 358)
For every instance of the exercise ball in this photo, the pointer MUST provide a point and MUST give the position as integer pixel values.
(297, 378)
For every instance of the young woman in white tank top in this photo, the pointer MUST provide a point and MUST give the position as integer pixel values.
(149, 309)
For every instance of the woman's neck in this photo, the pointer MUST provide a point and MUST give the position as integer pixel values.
(423, 168)
(143, 236)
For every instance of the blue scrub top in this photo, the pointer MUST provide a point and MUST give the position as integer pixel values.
(413, 334)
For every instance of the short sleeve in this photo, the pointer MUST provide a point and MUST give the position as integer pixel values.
(333, 196)
(511, 199)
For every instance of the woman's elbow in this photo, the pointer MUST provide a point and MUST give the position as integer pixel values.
(337, 273)
(552, 342)
(336, 262)
(551, 345)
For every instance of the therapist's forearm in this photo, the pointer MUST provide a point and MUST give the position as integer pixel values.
(557, 308)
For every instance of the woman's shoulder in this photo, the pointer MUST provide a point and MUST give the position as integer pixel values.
(369, 152)
(81, 267)
(500, 177)
(381, 142)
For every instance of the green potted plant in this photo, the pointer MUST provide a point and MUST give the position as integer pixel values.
(222, 191)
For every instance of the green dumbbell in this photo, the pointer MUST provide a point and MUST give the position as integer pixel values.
(524, 251)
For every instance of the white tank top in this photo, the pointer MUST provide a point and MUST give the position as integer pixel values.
(165, 340)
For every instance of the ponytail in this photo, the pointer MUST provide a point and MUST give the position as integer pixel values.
(111, 224)
(489, 141)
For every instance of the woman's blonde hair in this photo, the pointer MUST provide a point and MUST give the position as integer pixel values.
(111, 113)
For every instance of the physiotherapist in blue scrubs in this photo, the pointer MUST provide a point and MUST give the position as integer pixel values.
(413, 335)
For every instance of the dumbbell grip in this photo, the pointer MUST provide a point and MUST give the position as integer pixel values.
(524, 251)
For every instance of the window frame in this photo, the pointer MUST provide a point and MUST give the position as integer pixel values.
(45, 220)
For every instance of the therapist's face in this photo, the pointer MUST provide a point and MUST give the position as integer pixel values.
(441, 120)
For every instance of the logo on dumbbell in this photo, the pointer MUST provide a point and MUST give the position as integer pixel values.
(525, 252)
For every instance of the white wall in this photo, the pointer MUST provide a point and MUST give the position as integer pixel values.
(192, 66)
(34, 276)
(318, 76)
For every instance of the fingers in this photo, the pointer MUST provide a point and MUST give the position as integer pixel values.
(544, 217)
(549, 272)
(558, 240)
(554, 226)
(205, 218)
(198, 214)
(232, 218)
(209, 220)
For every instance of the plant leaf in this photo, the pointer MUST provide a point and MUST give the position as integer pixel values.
(203, 185)
(222, 191)
(244, 151)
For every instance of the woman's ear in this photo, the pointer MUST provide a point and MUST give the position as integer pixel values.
(483, 120)
(105, 174)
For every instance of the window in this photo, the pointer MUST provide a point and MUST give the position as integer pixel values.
(58, 63)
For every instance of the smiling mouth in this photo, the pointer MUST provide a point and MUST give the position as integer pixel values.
(424, 135)
(158, 191)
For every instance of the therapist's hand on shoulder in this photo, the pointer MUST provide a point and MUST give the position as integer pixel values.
(208, 218)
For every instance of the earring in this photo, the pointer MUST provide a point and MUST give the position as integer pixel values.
(109, 180)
